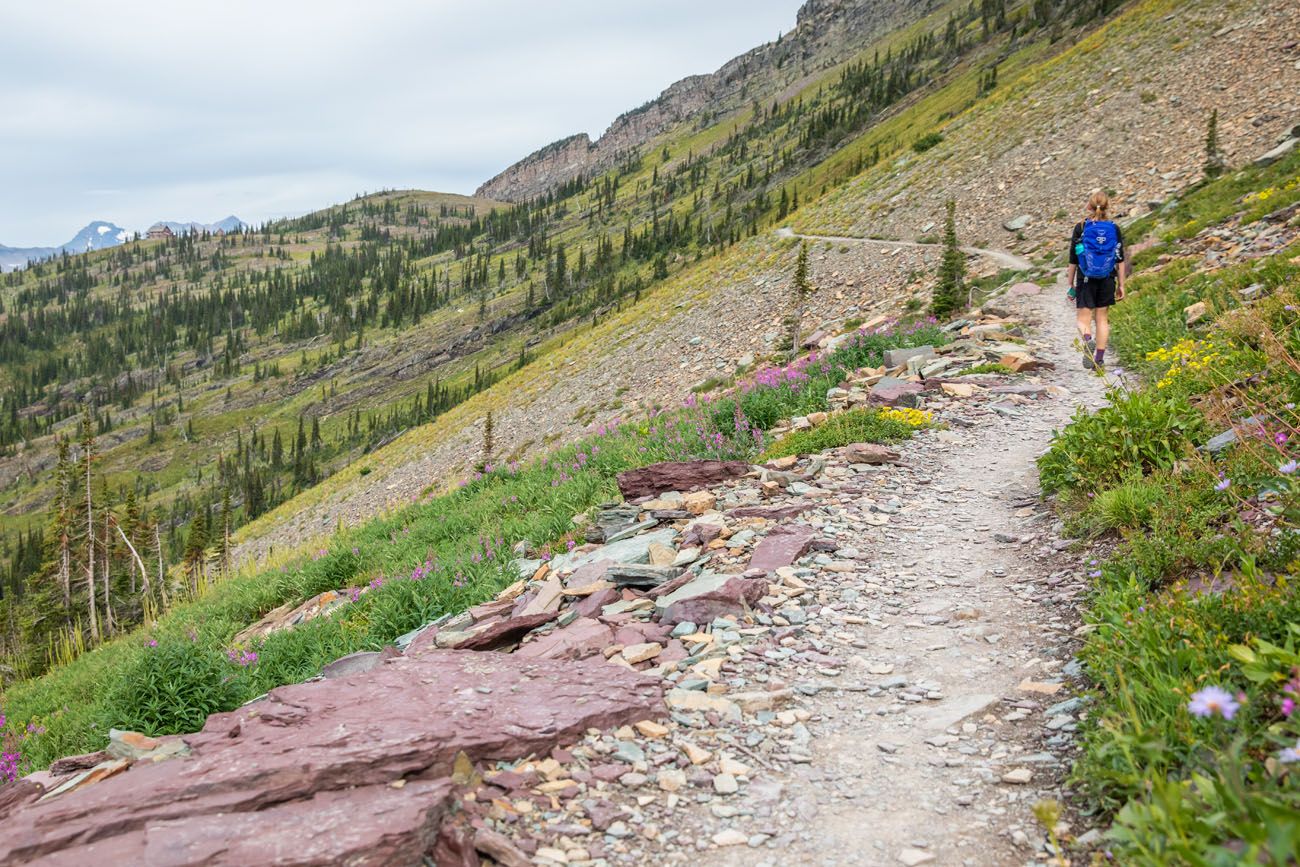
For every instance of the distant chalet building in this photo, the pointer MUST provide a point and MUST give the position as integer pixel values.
(160, 231)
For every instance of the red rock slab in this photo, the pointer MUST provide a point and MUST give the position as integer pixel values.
(409, 718)
(369, 826)
(506, 631)
(733, 597)
(583, 637)
(771, 513)
(782, 547)
(677, 476)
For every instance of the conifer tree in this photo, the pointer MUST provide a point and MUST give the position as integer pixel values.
(800, 288)
(1214, 159)
(947, 296)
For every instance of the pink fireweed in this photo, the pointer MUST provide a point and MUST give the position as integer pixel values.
(243, 658)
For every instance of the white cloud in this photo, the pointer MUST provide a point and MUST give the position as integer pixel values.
(133, 112)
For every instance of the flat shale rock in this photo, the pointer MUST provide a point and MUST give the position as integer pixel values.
(305, 775)
(677, 476)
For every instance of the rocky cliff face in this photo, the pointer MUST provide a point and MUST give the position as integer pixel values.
(826, 31)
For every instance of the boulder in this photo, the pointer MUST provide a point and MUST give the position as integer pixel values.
(869, 453)
(628, 575)
(771, 513)
(899, 357)
(633, 550)
(1015, 224)
(892, 391)
(1021, 362)
(1277, 153)
(733, 595)
(701, 533)
(502, 632)
(1025, 289)
(593, 604)
(1195, 312)
(357, 663)
(782, 547)
(307, 775)
(289, 615)
(581, 638)
(678, 476)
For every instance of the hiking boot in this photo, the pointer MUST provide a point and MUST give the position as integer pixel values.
(1089, 363)
(1089, 353)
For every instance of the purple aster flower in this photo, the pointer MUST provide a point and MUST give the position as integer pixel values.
(1287, 468)
(1290, 755)
(1213, 700)
(1223, 484)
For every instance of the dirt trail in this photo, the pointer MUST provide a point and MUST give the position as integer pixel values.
(1003, 258)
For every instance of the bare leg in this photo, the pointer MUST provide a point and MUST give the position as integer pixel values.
(1083, 320)
(1103, 327)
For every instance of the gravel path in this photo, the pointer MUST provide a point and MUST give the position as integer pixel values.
(912, 697)
(965, 596)
(1003, 258)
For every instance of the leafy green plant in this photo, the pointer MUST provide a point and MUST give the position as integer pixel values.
(172, 686)
(841, 429)
(1137, 433)
(992, 367)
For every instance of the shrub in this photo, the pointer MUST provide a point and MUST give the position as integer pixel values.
(1135, 434)
(927, 141)
(172, 687)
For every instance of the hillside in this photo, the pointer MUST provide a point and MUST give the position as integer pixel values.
(518, 529)
(227, 374)
(651, 353)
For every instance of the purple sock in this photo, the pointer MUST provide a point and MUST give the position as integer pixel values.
(1099, 356)
(1087, 337)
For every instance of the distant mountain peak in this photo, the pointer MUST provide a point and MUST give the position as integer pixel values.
(102, 234)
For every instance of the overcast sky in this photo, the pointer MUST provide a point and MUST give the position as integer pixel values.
(135, 112)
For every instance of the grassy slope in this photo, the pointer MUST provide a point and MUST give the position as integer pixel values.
(1200, 590)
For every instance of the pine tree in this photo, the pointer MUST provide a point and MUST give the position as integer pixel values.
(1215, 164)
(947, 297)
(800, 288)
(488, 443)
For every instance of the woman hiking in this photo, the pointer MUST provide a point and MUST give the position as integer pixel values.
(1096, 277)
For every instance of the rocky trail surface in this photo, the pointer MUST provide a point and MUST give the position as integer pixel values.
(1002, 258)
(857, 657)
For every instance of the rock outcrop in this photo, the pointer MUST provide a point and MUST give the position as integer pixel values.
(355, 770)
(826, 31)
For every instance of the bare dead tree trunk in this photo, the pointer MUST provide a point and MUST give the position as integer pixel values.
(108, 581)
(65, 564)
(162, 577)
(90, 554)
(144, 573)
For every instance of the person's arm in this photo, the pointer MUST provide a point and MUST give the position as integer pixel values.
(1073, 258)
(1121, 270)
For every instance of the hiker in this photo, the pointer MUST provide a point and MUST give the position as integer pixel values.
(1096, 277)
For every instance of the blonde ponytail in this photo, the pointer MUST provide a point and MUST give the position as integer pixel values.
(1099, 206)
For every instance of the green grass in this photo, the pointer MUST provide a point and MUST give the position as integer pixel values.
(1201, 589)
(841, 429)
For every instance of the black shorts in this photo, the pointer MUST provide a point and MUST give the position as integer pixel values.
(1094, 292)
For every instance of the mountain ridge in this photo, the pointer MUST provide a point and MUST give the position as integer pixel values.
(829, 30)
(101, 235)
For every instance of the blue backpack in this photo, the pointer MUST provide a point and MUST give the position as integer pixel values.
(1098, 249)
